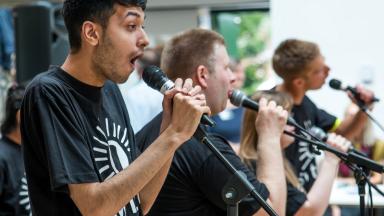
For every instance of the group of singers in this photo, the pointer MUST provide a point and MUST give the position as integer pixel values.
(82, 157)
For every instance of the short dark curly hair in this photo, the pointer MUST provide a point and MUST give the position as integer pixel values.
(293, 56)
(76, 12)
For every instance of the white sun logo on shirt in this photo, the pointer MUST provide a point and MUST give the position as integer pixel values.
(24, 196)
(111, 151)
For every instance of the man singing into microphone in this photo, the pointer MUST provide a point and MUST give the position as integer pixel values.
(80, 154)
(302, 68)
(197, 177)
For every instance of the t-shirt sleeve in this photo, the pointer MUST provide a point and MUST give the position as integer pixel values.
(61, 140)
(326, 121)
(212, 187)
(295, 199)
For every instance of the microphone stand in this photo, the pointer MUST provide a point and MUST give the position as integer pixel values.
(238, 186)
(364, 108)
(357, 163)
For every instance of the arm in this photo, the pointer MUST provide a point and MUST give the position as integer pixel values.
(318, 196)
(270, 170)
(107, 198)
(350, 128)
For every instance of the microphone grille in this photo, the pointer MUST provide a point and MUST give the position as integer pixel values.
(318, 133)
(237, 97)
(335, 84)
(153, 76)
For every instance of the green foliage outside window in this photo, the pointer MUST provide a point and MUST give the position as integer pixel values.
(247, 35)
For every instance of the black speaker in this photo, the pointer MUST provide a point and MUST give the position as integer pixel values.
(40, 37)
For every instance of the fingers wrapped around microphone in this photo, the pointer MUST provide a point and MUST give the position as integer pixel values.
(338, 142)
(271, 118)
(187, 112)
(179, 100)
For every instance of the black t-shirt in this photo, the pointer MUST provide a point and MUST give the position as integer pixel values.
(73, 133)
(299, 153)
(295, 197)
(11, 172)
(196, 178)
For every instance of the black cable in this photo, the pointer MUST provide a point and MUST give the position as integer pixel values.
(374, 120)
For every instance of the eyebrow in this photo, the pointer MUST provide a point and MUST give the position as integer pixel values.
(132, 13)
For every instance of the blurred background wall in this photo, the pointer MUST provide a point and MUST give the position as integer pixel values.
(350, 36)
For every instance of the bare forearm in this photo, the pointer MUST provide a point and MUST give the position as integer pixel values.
(108, 197)
(270, 171)
(151, 190)
(318, 196)
(350, 129)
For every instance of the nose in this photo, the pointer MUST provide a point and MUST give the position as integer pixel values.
(232, 77)
(143, 40)
(326, 70)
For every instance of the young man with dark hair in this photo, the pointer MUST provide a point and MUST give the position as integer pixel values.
(302, 67)
(80, 154)
(196, 177)
(11, 158)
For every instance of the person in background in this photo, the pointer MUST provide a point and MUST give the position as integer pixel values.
(11, 159)
(366, 142)
(196, 178)
(299, 202)
(302, 67)
(143, 103)
(228, 122)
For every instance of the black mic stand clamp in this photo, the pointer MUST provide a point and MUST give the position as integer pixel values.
(361, 181)
(234, 191)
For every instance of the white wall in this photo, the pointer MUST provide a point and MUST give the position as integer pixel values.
(351, 37)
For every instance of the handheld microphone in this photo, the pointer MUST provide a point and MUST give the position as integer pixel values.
(238, 98)
(156, 79)
(318, 133)
(323, 136)
(336, 84)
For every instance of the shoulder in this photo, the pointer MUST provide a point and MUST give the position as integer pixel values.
(47, 83)
(307, 102)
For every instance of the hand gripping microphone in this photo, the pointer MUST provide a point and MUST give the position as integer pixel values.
(238, 98)
(336, 84)
(156, 79)
(323, 136)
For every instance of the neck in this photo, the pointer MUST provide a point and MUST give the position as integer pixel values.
(296, 93)
(78, 65)
(15, 136)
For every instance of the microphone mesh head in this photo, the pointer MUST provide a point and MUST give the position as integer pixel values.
(236, 97)
(335, 84)
(154, 77)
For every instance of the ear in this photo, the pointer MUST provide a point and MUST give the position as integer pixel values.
(91, 33)
(202, 75)
(298, 82)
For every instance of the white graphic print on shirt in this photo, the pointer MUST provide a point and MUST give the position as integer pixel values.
(112, 151)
